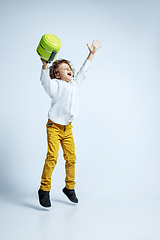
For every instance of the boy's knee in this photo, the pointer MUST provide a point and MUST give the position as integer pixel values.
(70, 157)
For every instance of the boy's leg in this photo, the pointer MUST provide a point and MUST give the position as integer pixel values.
(68, 147)
(52, 155)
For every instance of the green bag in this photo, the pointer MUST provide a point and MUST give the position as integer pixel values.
(48, 47)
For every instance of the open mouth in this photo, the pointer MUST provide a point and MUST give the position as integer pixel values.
(69, 74)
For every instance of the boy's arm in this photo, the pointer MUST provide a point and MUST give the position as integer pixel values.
(81, 74)
(49, 85)
(44, 64)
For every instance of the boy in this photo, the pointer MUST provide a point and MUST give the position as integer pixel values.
(62, 87)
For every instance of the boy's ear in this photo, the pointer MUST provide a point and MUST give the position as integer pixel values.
(57, 75)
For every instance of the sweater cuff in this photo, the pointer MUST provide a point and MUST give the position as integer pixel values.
(88, 63)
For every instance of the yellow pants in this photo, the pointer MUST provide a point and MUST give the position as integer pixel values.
(57, 134)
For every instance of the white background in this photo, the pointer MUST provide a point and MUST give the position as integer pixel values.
(117, 132)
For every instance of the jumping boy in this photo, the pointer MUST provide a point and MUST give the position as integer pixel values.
(62, 86)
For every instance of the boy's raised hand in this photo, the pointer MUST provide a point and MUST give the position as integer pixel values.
(92, 49)
(44, 64)
(95, 45)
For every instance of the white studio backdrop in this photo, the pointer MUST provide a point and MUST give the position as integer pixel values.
(117, 130)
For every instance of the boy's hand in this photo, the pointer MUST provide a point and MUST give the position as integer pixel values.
(44, 64)
(93, 48)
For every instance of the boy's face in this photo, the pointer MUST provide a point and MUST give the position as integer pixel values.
(64, 72)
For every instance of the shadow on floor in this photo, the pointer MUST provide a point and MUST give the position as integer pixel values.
(29, 205)
(23, 201)
(64, 202)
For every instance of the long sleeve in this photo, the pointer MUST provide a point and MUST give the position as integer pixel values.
(81, 74)
(50, 85)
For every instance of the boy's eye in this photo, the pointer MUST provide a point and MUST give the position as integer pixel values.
(66, 69)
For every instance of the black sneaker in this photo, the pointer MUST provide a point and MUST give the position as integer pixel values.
(44, 198)
(70, 194)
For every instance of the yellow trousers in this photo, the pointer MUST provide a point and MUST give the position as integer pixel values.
(57, 134)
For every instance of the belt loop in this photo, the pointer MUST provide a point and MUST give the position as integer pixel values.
(64, 128)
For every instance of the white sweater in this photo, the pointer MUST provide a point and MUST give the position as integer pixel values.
(64, 95)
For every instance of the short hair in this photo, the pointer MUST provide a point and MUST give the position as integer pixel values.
(55, 65)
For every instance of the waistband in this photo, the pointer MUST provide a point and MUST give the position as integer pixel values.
(59, 125)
